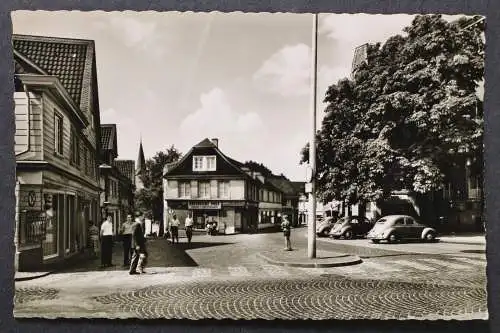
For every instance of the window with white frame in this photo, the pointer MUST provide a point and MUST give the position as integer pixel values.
(210, 163)
(204, 163)
(204, 189)
(184, 189)
(223, 189)
(58, 134)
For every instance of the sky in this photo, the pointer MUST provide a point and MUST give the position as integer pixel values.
(173, 78)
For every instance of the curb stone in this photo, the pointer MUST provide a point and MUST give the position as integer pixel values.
(32, 277)
(348, 261)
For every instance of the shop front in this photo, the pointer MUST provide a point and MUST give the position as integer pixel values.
(230, 216)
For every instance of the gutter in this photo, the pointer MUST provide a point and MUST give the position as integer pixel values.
(29, 121)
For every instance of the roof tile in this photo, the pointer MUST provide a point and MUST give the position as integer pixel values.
(61, 59)
(126, 168)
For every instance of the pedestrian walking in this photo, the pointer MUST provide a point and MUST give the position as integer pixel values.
(94, 239)
(138, 245)
(107, 242)
(126, 234)
(286, 227)
(188, 223)
(174, 229)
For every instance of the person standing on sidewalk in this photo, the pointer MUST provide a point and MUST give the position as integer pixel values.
(107, 242)
(188, 223)
(138, 245)
(126, 233)
(286, 226)
(174, 229)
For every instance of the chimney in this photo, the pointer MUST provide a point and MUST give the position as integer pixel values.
(215, 141)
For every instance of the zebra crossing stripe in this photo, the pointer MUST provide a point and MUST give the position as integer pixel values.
(347, 270)
(238, 271)
(476, 262)
(370, 265)
(201, 272)
(275, 270)
(414, 264)
(313, 271)
(447, 264)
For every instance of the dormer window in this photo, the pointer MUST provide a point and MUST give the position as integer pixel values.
(204, 163)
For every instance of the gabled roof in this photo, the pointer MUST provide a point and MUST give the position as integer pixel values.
(72, 61)
(225, 165)
(108, 137)
(126, 168)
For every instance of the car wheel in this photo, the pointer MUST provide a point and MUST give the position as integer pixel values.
(325, 232)
(348, 234)
(430, 236)
(375, 241)
(393, 238)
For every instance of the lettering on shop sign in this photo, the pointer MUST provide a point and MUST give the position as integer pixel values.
(204, 205)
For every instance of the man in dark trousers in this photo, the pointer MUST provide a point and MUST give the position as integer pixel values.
(107, 242)
(126, 233)
(138, 245)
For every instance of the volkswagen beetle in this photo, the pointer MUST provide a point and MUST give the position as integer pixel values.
(393, 228)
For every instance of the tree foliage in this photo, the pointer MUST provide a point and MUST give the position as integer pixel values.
(259, 167)
(150, 198)
(408, 113)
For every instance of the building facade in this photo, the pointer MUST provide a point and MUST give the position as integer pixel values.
(116, 179)
(213, 186)
(56, 146)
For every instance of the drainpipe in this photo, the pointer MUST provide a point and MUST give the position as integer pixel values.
(29, 120)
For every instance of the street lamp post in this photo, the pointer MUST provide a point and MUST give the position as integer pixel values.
(311, 239)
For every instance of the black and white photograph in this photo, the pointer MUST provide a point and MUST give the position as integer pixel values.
(190, 165)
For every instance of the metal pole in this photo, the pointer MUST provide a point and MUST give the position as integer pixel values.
(311, 239)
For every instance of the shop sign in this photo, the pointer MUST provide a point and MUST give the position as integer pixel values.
(204, 205)
(234, 204)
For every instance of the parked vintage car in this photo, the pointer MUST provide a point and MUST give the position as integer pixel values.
(350, 227)
(393, 228)
(324, 226)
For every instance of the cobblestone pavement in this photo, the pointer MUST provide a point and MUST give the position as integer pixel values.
(229, 281)
(321, 298)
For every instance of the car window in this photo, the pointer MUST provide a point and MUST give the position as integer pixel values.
(340, 221)
(399, 221)
(409, 221)
(354, 221)
(381, 221)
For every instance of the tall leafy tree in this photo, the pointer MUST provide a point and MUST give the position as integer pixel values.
(406, 116)
(259, 167)
(150, 198)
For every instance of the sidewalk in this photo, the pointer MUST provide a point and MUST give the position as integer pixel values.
(161, 254)
(299, 258)
(469, 238)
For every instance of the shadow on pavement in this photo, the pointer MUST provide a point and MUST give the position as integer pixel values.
(161, 253)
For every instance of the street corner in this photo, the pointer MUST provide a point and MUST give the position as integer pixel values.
(298, 258)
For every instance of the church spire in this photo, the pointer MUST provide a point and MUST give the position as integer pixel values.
(140, 166)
